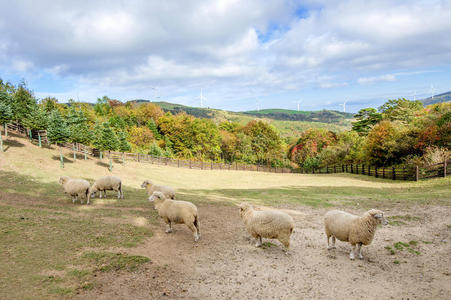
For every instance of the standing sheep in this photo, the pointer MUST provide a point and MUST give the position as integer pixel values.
(75, 187)
(353, 229)
(107, 183)
(178, 212)
(271, 224)
(168, 191)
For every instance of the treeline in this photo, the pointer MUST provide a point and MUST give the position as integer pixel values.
(399, 132)
(143, 128)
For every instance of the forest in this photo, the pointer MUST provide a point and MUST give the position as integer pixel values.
(399, 132)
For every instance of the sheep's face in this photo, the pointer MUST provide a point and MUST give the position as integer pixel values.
(379, 216)
(145, 184)
(62, 180)
(156, 197)
(244, 207)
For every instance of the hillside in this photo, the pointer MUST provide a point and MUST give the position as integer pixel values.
(324, 116)
(444, 97)
(288, 122)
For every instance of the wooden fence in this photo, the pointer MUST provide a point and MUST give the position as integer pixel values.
(396, 173)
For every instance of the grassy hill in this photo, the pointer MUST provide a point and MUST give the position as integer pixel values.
(444, 97)
(288, 122)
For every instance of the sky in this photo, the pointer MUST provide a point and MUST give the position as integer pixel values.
(243, 55)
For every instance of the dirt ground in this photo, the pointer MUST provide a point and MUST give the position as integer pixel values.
(224, 264)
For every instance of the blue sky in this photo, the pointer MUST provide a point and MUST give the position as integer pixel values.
(242, 54)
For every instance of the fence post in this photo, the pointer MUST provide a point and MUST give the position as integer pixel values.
(75, 155)
(212, 165)
(375, 172)
(110, 167)
(39, 138)
(383, 172)
(1, 142)
(393, 173)
(444, 167)
(201, 165)
(190, 163)
(417, 173)
(369, 170)
(236, 165)
(61, 158)
(101, 155)
(327, 169)
(85, 155)
(178, 163)
(404, 172)
(352, 168)
(363, 169)
(6, 129)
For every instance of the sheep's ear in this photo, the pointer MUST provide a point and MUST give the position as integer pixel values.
(378, 215)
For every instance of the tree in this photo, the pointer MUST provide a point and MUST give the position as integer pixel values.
(105, 139)
(148, 111)
(153, 127)
(79, 130)
(23, 102)
(123, 145)
(6, 115)
(366, 118)
(400, 109)
(102, 107)
(37, 119)
(57, 132)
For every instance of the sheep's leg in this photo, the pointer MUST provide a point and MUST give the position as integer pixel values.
(259, 241)
(169, 226)
(194, 230)
(73, 199)
(351, 255)
(333, 242)
(359, 250)
(329, 247)
(100, 194)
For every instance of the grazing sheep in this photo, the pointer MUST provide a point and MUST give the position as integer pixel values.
(168, 191)
(107, 183)
(178, 212)
(353, 229)
(271, 224)
(75, 187)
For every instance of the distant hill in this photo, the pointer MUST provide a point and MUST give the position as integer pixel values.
(324, 116)
(444, 97)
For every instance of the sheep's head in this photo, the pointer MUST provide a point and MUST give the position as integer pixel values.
(93, 190)
(378, 215)
(63, 179)
(157, 197)
(244, 207)
(146, 183)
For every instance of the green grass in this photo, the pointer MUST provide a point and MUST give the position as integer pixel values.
(107, 261)
(411, 247)
(326, 196)
(42, 232)
(401, 220)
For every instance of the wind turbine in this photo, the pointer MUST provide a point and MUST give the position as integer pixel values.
(432, 91)
(202, 98)
(298, 102)
(344, 106)
(414, 95)
(156, 94)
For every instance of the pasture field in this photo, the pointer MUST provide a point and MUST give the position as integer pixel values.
(117, 249)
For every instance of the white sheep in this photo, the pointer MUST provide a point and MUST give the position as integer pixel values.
(107, 183)
(271, 224)
(178, 212)
(353, 229)
(75, 187)
(168, 191)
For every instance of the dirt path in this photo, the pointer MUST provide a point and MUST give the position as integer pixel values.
(226, 265)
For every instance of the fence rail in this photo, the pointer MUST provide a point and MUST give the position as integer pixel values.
(395, 173)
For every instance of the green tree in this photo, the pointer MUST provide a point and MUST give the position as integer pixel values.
(366, 118)
(102, 107)
(6, 115)
(105, 139)
(400, 109)
(23, 102)
(57, 131)
(123, 145)
(153, 127)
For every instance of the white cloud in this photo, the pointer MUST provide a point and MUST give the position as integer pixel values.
(369, 80)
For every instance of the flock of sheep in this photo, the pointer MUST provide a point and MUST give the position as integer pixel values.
(271, 224)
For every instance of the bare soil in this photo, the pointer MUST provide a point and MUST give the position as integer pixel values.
(224, 264)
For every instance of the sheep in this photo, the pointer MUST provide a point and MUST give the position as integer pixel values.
(353, 229)
(168, 191)
(75, 187)
(178, 212)
(107, 183)
(270, 224)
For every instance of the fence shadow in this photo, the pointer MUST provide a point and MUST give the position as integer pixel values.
(101, 163)
(8, 143)
(66, 160)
